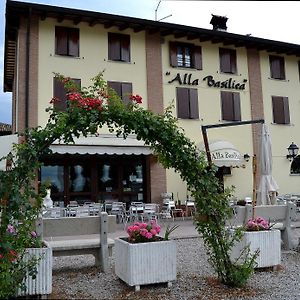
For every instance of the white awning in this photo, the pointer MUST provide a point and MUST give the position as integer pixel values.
(6, 142)
(103, 144)
(224, 154)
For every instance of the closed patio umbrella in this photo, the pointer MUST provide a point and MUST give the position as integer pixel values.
(267, 186)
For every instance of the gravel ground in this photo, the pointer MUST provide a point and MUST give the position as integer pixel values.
(76, 278)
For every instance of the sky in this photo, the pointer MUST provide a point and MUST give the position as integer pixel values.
(274, 20)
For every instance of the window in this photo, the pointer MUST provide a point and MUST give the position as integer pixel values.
(119, 47)
(123, 89)
(59, 92)
(231, 107)
(227, 60)
(277, 67)
(185, 55)
(67, 41)
(281, 111)
(96, 178)
(187, 103)
(299, 69)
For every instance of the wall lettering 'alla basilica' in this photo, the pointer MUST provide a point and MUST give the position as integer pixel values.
(187, 79)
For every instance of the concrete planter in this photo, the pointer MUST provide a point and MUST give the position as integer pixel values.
(145, 263)
(42, 284)
(269, 244)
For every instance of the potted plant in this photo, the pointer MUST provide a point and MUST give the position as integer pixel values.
(260, 240)
(144, 257)
(25, 261)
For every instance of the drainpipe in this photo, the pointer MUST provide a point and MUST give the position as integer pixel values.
(27, 68)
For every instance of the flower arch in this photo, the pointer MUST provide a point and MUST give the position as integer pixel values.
(89, 109)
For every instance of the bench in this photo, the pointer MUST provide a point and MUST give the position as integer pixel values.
(280, 217)
(81, 235)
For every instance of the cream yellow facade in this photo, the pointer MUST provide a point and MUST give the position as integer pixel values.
(282, 135)
(210, 113)
(152, 76)
(93, 59)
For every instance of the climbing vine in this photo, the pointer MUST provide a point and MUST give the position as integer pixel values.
(91, 108)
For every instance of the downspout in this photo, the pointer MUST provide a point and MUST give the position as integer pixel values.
(27, 69)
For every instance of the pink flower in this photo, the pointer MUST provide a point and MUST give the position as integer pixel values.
(257, 224)
(11, 229)
(33, 234)
(148, 235)
(153, 231)
(141, 232)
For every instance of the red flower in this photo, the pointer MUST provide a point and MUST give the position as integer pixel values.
(66, 80)
(137, 98)
(74, 96)
(12, 255)
(54, 100)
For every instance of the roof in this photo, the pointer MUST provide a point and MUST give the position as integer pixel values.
(14, 10)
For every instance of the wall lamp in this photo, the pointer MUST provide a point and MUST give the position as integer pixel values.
(293, 151)
(246, 157)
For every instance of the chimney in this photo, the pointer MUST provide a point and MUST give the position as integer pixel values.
(219, 23)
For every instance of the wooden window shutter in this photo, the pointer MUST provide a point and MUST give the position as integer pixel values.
(273, 67)
(227, 106)
(194, 110)
(276, 101)
(173, 54)
(232, 61)
(125, 47)
(77, 82)
(286, 110)
(114, 46)
(281, 68)
(60, 92)
(236, 107)
(116, 86)
(182, 97)
(126, 91)
(61, 40)
(224, 60)
(277, 69)
(197, 58)
(73, 42)
(227, 60)
(281, 114)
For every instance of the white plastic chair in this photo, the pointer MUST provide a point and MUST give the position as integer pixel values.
(136, 211)
(151, 211)
(118, 209)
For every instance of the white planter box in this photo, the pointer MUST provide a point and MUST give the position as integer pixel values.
(269, 244)
(42, 284)
(145, 263)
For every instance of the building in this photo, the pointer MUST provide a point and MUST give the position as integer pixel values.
(5, 129)
(210, 77)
